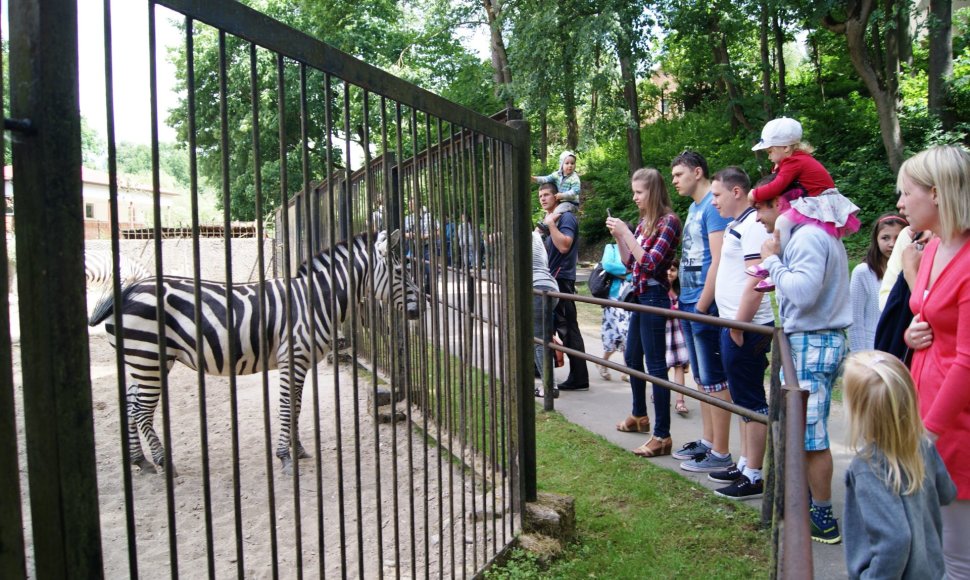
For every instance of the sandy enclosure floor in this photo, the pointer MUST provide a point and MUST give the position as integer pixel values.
(347, 509)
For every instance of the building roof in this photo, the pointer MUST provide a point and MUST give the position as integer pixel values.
(95, 177)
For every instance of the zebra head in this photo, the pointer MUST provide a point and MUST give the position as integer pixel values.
(393, 286)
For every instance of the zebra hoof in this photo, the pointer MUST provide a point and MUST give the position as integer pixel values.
(287, 466)
(301, 453)
(143, 466)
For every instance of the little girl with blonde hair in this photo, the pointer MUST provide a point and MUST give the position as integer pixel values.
(895, 485)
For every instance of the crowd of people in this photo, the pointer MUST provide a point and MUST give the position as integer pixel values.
(907, 509)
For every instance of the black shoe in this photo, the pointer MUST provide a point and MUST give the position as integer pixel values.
(566, 386)
(727, 476)
(742, 488)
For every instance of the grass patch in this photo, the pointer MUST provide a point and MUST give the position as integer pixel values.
(635, 520)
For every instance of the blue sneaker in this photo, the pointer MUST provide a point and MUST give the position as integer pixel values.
(689, 450)
(707, 463)
(825, 528)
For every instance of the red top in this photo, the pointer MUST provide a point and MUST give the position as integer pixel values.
(800, 167)
(942, 371)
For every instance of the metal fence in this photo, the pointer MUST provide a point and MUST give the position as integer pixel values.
(420, 430)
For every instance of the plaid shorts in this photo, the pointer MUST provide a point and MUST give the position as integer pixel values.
(677, 355)
(818, 361)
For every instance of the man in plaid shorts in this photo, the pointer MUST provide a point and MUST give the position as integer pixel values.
(811, 274)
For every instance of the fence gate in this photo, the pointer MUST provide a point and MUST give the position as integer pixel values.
(401, 249)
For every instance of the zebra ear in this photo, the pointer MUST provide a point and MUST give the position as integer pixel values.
(395, 239)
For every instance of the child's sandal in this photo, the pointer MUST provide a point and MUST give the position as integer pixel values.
(681, 408)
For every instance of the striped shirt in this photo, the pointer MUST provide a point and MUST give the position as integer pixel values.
(658, 253)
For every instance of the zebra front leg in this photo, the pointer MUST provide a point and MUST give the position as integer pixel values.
(141, 410)
(290, 414)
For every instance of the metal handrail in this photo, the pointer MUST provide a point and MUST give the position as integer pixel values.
(794, 543)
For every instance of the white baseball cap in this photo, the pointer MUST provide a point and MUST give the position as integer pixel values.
(780, 131)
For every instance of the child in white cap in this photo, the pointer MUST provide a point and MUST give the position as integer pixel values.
(567, 183)
(802, 181)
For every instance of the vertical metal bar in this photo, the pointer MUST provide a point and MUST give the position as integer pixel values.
(372, 317)
(230, 306)
(351, 315)
(54, 346)
(197, 297)
(263, 305)
(430, 361)
(398, 355)
(288, 311)
(522, 294)
(13, 562)
(120, 369)
(159, 293)
(413, 381)
(310, 298)
(332, 306)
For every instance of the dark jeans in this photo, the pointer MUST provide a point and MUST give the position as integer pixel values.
(540, 323)
(567, 327)
(647, 339)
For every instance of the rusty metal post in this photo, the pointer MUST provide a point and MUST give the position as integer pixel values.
(58, 418)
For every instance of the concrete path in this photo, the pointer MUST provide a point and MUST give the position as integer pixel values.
(608, 402)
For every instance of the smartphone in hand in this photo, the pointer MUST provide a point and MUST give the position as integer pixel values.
(609, 213)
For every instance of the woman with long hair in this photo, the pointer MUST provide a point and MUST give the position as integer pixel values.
(934, 190)
(648, 252)
(866, 278)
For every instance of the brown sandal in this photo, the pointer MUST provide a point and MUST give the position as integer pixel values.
(655, 447)
(634, 424)
(681, 408)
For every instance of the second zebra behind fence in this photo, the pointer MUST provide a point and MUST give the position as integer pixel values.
(239, 350)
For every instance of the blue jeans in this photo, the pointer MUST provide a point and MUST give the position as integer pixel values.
(647, 339)
(540, 324)
(745, 368)
(704, 350)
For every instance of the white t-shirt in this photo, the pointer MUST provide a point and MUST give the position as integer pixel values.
(742, 241)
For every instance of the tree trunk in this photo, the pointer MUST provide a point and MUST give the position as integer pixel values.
(569, 95)
(765, 60)
(634, 148)
(817, 59)
(780, 55)
(891, 61)
(905, 39)
(594, 95)
(543, 136)
(500, 59)
(723, 61)
(940, 59)
(855, 29)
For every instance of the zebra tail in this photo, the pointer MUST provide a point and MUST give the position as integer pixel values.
(105, 306)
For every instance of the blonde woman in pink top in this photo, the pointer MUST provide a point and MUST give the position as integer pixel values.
(934, 190)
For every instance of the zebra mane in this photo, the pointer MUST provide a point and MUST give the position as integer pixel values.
(360, 242)
(106, 305)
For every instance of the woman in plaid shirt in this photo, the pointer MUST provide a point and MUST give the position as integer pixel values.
(649, 252)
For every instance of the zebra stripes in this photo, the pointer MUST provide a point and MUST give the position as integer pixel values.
(141, 341)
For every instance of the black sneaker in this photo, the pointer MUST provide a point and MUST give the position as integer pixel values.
(825, 528)
(729, 475)
(574, 386)
(742, 488)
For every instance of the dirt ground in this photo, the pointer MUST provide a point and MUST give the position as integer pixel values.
(389, 504)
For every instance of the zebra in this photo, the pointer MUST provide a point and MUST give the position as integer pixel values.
(98, 270)
(140, 331)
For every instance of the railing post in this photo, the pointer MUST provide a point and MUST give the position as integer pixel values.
(521, 294)
(548, 395)
(58, 421)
